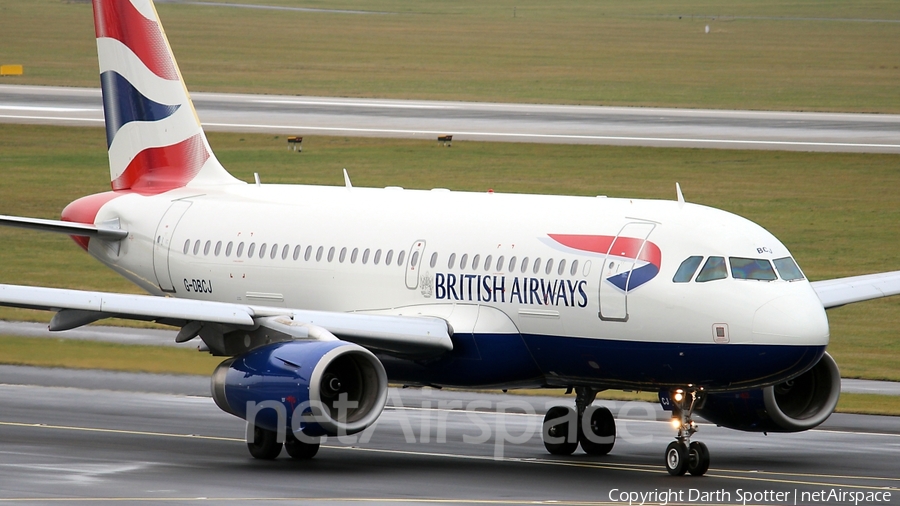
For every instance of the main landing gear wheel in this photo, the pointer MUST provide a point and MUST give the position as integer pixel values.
(698, 459)
(560, 438)
(594, 428)
(602, 432)
(676, 458)
(299, 450)
(264, 445)
(682, 455)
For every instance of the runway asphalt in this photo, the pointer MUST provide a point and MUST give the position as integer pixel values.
(298, 115)
(86, 444)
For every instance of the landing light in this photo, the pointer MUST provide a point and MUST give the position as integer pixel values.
(676, 423)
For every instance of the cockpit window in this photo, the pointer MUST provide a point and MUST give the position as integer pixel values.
(788, 269)
(752, 268)
(713, 269)
(687, 269)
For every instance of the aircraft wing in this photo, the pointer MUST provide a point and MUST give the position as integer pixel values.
(402, 335)
(841, 291)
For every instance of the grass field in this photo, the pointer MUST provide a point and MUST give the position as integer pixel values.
(838, 213)
(802, 55)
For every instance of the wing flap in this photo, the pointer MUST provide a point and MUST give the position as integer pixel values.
(841, 291)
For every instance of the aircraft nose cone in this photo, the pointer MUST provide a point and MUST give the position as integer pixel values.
(791, 319)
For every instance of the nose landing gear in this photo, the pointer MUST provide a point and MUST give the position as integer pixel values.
(683, 455)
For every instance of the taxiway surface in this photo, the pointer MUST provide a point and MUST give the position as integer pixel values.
(297, 115)
(83, 443)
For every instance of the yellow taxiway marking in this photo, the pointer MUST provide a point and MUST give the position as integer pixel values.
(641, 468)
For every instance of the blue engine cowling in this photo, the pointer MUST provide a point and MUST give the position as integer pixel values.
(338, 387)
(793, 406)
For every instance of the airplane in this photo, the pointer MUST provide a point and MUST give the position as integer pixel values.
(319, 296)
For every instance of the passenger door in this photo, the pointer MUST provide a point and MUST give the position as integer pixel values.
(617, 267)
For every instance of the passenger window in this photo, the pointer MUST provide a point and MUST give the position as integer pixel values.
(463, 260)
(500, 264)
(414, 260)
(187, 246)
(262, 250)
(307, 254)
(343, 255)
(452, 260)
(251, 249)
(354, 255)
(206, 248)
(788, 269)
(713, 269)
(549, 266)
(331, 253)
(512, 264)
(400, 257)
(562, 267)
(285, 251)
(475, 261)
(377, 256)
(524, 265)
(687, 269)
(574, 269)
(240, 249)
(537, 265)
(365, 258)
(487, 263)
(433, 259)
(228, 248)
(196, 246)
(218, 248)
(296, 252)
(389, 257)
(319, 253)
(752, 268)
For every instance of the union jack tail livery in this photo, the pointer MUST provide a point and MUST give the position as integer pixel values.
(153, 133)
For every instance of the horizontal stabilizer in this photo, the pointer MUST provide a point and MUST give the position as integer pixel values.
(841, 291)
(65, 227)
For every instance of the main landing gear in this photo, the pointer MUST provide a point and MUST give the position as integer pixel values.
(683, 455)
(593, 427)
(264, 445)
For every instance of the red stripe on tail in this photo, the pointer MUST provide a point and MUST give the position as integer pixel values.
(156, 170)
(120, 20)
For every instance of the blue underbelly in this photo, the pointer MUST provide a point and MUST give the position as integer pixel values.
(498, 360)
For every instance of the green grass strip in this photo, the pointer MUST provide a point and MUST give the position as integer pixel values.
(77, 354)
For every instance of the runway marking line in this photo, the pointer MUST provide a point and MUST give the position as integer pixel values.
(596, 465)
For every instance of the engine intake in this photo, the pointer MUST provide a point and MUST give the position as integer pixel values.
(335, 387)
(793, 406)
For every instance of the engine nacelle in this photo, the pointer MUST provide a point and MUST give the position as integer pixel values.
(334, 387)
(793, 406)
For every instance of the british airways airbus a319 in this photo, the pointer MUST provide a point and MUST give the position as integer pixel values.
(321, 295)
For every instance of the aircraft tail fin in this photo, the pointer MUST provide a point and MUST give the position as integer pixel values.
(153, 133)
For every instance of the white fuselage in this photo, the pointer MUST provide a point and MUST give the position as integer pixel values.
(398, 251)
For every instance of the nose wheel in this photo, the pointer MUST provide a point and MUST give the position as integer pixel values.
(592, 427)
(683, 455)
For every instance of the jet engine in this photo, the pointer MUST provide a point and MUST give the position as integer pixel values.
(793, 406)
(317, 387)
